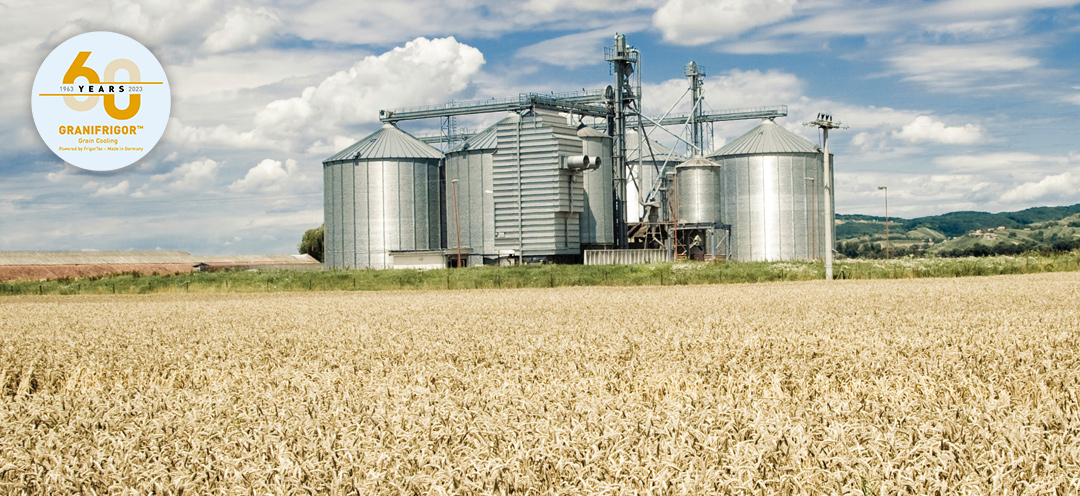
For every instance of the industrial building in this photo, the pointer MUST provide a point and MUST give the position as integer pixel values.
(577, 176)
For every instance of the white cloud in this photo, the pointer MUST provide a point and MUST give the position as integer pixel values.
(242, 27)
(1073, 99)
(119, 189)
(578, 49)
(696, 22)
(927, 130)
(977, 29)
(730, 89)
(189, 176)
(1013, 162)
(962, 67)
(973, 8)
(270, 176)
(1058, 186)
(421, 72)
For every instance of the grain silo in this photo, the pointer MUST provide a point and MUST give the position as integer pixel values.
(597, 220)
(471, 164)
(382, 194)
(771, 195)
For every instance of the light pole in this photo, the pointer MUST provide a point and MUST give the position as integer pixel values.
(886, 189)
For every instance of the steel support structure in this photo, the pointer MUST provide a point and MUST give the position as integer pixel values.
(696, 75)
(623, 60)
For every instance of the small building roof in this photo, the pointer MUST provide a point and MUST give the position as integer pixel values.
(388, 142)
(768, 137)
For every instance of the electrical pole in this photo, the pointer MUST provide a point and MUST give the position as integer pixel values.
(825, 122)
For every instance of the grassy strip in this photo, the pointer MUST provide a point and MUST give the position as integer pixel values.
(539, 276)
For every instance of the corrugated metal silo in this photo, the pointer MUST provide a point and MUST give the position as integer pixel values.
(771, 195)
(382, 194)
(597, 221)
(471, 165)
(698, 182)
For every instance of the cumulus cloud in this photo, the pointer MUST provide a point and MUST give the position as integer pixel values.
(421, 72)
(927, 130)
(119, 189)
(696, 22)
(189, 176)
(270, 176)
(1058, 186)
(242, 27)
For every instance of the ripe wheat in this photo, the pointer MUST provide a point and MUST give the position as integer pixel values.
(958, 386)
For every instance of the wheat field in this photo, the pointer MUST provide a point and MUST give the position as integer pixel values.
(928, 386)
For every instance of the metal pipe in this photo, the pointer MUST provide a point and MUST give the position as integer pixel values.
(813, 219)
(457, 221)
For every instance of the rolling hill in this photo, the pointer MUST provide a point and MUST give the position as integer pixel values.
(961, 233)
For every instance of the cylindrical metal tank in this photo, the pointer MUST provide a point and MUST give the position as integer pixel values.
(382, 194)
(697, 184)
(471, 165)
(597, 220)
(772, 195)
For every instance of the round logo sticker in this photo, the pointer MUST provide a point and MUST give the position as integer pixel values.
(101, 101)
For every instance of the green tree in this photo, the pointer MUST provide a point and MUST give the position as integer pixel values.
(312, 243)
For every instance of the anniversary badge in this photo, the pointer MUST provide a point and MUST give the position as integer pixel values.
(101, 101)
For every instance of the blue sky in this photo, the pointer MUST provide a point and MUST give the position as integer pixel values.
(954, 104)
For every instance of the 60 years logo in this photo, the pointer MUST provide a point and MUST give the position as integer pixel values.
(101, 121)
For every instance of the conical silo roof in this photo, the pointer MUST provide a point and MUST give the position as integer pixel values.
(590, 132)
(697, 162)
(388, 142)
(659, 151)
(767, 138)
(486, 139)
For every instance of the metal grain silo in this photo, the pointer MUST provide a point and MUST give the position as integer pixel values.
(698, 184)
(382, 194)
(597, 220)
(471, 165)
(771, 195)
